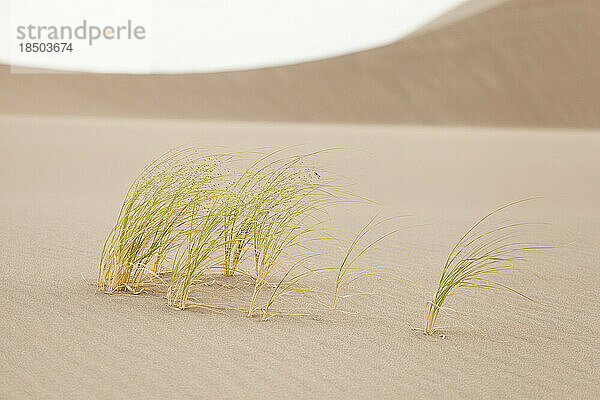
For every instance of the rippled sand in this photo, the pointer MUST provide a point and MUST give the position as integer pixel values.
(62, 181)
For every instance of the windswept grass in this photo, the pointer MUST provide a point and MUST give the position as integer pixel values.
(258, 214)
(195, 210)
(354, 253)
(477, 259)
(204, 239)
(287, 216)
(153, 216)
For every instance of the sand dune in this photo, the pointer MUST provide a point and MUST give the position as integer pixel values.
(465, 10)
(70, 145)
(63, 180)
(521, 62)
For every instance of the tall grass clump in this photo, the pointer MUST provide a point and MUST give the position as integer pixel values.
(478, 258)
(243, 208)
(198, 253)
(287, 215)
(154, 215)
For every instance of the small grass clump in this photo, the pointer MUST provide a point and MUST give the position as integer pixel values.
(479, 255)
(354, 253)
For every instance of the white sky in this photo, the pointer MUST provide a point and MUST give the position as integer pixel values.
(214, 35)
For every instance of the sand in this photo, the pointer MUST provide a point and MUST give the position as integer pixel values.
(61, 183)
(70, 145)
(516, 63)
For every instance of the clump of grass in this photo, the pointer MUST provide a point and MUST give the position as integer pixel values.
(154, 214)
(286, 216)
(479, 256)
(239, 214)
(193, 210)
(204, 239)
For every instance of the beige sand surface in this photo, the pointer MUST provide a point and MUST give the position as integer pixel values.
(62, 180)
(520, 63)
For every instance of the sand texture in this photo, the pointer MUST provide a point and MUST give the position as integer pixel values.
(515, 63)
(62, 181)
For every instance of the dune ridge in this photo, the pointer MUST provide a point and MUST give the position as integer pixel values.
(520, 63)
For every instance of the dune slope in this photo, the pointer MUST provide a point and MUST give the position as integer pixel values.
(521, 62)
